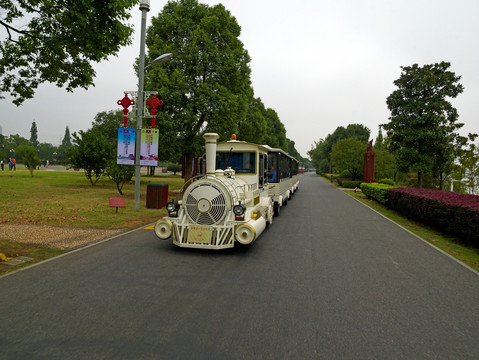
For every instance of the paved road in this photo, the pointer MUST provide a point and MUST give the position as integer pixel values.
(331, 279)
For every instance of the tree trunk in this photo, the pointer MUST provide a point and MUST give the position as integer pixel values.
(188, 167)
(419, 179)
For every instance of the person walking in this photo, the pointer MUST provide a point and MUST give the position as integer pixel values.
(1, 164)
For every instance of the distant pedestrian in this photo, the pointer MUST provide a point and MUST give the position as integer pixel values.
(1, 163)
(10, 164)
(14, 162)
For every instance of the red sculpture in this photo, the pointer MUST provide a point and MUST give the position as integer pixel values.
(154, 102)
(369, 164)
(126, 102)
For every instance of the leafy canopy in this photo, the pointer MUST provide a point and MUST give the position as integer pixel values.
(206, 86)
(55, 41)
(423, 123)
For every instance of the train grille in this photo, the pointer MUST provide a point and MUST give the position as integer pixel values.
(206, 204)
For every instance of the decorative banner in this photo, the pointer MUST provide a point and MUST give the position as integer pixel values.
(126, 146)
(149, 147)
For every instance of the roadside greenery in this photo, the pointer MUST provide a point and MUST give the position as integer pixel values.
(66, 198)
(453, 246)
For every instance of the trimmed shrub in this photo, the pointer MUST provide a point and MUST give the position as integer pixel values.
(386, 181)
(454, 213)
(340, 180)
(377, 192)
(351, 184)
(174, 168)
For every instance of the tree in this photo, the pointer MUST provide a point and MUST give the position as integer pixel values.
(276, 132)
(64, 146)
(34, 135)
(423, 123)
(322, 153)
(91, 152)
(348, 154)
(119, 174)
(206, 86)
(30, 157)
(55, 41)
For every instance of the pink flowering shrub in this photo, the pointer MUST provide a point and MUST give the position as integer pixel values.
(451, 212)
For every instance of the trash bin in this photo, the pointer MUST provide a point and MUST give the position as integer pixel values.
(156, 195)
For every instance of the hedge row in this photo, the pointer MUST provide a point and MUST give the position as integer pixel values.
(376, 192)
(351, 184)
(451, 212)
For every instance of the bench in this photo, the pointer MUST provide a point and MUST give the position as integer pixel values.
(117, 202)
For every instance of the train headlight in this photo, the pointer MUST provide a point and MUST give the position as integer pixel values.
(239, 211)
(172, 207)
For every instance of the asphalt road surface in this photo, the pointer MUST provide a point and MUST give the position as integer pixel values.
(330, 279)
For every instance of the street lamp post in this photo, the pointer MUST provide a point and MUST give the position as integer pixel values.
(144, 7)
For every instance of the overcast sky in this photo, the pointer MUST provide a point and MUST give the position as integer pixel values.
(319, 64)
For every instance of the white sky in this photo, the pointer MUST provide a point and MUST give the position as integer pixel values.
(320, 64)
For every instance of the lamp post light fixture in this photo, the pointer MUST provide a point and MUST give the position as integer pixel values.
(144, 7)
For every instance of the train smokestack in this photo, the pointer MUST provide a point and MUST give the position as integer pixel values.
(210, 139)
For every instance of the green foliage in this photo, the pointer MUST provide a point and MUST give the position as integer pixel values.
(34, 135)
(29, 156)
(174, 168)
(377, 192)
(321, 155)
(56, 41)
(91, 152)
(206, 86)
(384, 164)
(351, 184)
(107, 123)
(386, 181)
(348, 154)
(119, 174)
(423, 123)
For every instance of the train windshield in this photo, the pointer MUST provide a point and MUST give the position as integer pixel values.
(241, 162)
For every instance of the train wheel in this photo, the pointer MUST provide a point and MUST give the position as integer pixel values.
(269, 215)
(276, 208)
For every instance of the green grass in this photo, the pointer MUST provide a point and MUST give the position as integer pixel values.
(66, 198)
(12, 250)
(449, 244)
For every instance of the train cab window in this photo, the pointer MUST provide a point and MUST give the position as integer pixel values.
(273, 169)
(241, 162)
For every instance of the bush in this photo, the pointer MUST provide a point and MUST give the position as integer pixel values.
(351, 184)
(386, 181)
(377, 192)
(454, 213)
(174, 168)
(340, 180)
(345, 174)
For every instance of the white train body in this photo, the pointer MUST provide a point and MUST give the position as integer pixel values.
(282, 177)
(230, 203)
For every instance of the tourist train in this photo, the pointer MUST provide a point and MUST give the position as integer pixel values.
(243, 187)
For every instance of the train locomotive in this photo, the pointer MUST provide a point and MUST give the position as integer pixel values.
(232, 202)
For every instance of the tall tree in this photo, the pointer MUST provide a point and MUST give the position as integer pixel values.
(34, 135)
(348, 154)
(55, 41)
(423, 123)
(322, 154)
(206, 86)
(61, 156)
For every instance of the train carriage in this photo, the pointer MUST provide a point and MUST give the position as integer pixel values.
(282, 177)
(230, 203)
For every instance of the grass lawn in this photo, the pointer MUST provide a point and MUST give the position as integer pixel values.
(67, 199)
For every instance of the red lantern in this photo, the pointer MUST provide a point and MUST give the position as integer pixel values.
(154, 102)
(126, 102)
